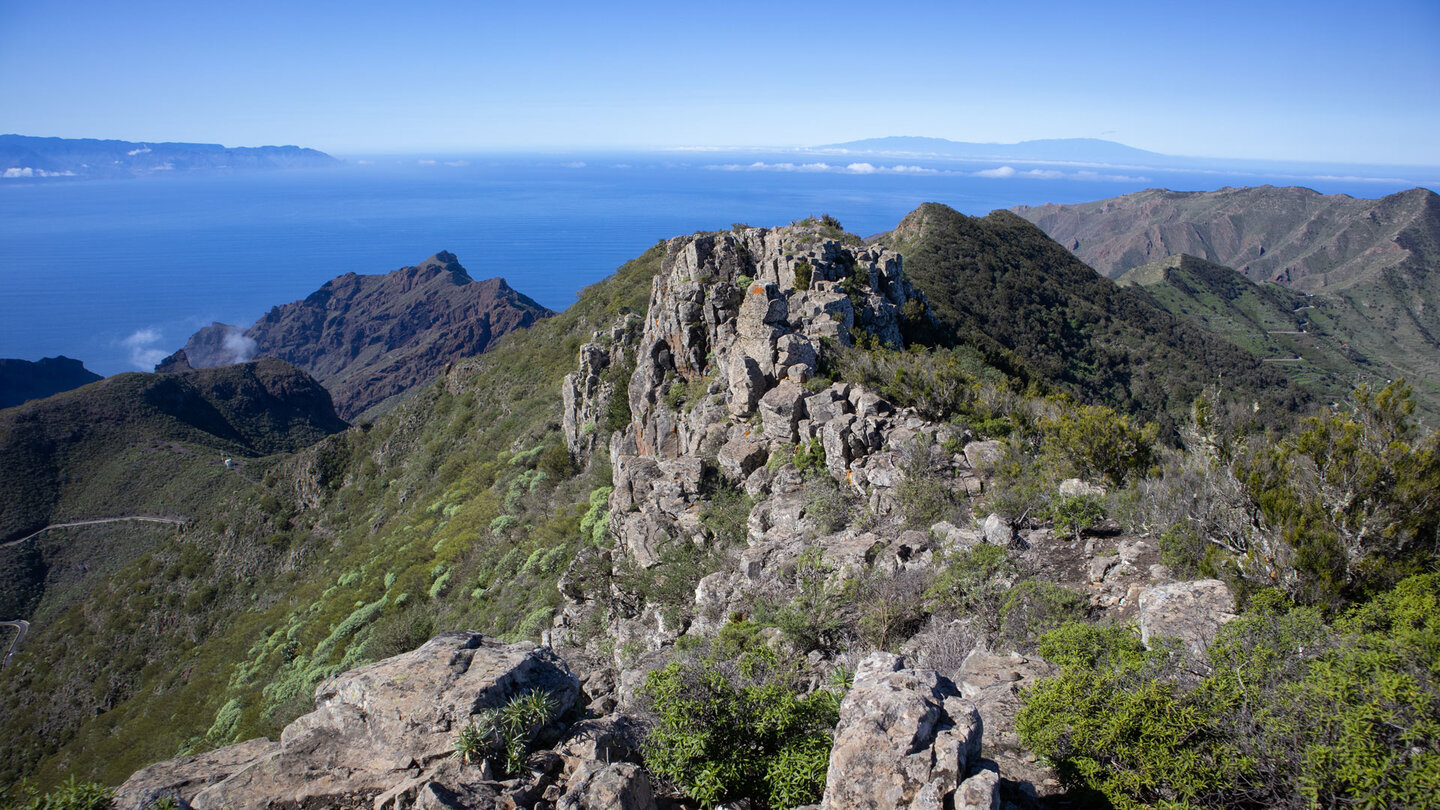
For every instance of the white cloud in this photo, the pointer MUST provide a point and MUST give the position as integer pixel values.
(144, 354)
(458, 163)
(26, 171)
(575, 164)
(241, 349)
(861, 168)
(426, 162)
(1003, 171)
(141, 151)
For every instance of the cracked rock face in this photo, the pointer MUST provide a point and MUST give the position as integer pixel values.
(723, 389)
(1194, 612)
(372, 728)
(906, 739)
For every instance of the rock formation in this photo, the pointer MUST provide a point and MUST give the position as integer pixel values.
(381, 734)
(907, 739)
(724, 379)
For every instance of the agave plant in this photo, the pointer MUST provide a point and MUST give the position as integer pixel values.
(476, 740)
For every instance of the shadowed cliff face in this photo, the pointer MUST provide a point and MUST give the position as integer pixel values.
(369, 337)
(22, 380)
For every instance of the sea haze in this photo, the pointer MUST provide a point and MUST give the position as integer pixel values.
(119, 273)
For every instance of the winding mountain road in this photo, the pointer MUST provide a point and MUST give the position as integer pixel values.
(147, 518)
(21, 628)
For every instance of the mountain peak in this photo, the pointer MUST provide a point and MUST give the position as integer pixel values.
(370, 337)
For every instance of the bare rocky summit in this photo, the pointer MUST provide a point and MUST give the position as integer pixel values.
(367, 338)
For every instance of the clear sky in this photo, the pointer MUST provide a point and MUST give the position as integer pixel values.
(1316, 80)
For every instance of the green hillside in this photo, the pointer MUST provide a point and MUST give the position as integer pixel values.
(999, 284)
(459, 508)
(1309, 337)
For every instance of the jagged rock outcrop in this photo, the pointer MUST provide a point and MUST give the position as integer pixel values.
(906, 739)
(387, 728)
(724, 388)
(589, 393)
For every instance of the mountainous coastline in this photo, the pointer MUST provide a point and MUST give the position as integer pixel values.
(367, 338)
(23, 156)
(757, 489)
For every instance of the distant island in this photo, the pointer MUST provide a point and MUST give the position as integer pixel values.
(23, 156)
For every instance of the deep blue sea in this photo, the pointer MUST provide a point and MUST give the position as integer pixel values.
(119, 273)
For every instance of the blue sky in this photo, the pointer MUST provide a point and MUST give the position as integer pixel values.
(1318, 80)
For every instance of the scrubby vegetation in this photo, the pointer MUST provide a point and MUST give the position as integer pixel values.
(734, 723)
(1294, 711)
(455, 509)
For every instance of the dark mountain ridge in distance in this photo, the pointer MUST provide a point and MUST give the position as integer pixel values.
(112, 447)
(23, 156)
(367, 338)
(24, 380)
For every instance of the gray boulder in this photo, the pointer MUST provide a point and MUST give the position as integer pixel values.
(906, 739)
(373, 730)
(618, 786)
(1191, 611)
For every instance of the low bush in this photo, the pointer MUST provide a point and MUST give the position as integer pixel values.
(733, 725)
(1293, 713)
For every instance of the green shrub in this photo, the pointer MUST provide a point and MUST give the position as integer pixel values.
(1076, 514)
(925, 495)
(733, 727)
(809, 457)
(73, 795)
(813, 618)
(827, 505)
(803, 272)
(1100, 443)
(726, 513)
(1035, 607)
(1294, 713)
(972, 582)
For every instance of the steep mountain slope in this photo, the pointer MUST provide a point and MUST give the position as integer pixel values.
(241, 613)
(23, 380)
(369, 337)
(998, 283)
(1293, 236)
(1305, 336)
(55, 451)
(634, 491)
(115, 466)
(1373, 265)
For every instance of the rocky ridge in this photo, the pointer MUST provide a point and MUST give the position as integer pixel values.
(1294, 236)
(724, 380)
(382, 737)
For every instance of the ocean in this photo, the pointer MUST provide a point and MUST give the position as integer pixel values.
(120, 273)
